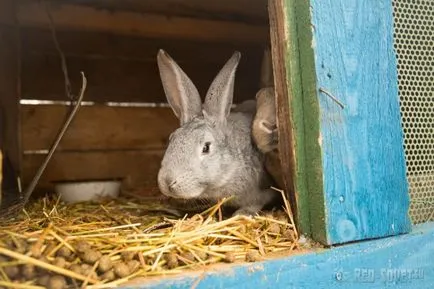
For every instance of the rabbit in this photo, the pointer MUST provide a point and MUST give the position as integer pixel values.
(265, 134)
(211, 155)
(264, 127)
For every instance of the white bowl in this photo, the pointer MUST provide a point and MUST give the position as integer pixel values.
(72, 192)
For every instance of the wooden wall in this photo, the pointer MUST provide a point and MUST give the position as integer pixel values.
(227, 10)
(102, 142)
(116, 47)
(123, 68)
(9, 100)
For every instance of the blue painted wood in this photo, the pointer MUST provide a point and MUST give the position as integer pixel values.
(364, 174)
(404, 261)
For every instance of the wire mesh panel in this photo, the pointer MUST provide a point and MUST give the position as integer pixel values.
(414, 44)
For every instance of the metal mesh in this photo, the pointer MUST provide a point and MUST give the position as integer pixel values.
(414, 44)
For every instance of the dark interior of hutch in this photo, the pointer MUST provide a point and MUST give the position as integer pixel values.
(122, 128)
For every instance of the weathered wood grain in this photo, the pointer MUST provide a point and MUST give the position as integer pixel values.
(402, 262)
(285, 78)
(305, 111)
(99, 45)
(115, 79)
(80, 17)
(9, 83)
(140, 167)
(97, 127)
(364, 174)
(221, 9)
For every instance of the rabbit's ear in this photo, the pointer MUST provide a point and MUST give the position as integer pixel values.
(180, 91)
(218, 100)
(267, 79)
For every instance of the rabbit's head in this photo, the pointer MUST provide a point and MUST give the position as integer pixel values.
(264, 128)
(199, 155)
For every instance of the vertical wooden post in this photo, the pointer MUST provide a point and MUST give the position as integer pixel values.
(9, 91)
(286, 69)
(341, 113)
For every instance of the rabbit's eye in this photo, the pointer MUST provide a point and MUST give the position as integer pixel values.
(205, 148)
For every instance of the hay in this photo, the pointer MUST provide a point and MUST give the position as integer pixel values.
(106, 243)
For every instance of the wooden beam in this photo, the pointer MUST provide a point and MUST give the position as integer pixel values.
(125, 80)
(289, 109)
(97, 45)
(9, 84)
(139, 166)
(220, 10)
(97, 127)
(403, 262)
(362, 185)
(74, 17)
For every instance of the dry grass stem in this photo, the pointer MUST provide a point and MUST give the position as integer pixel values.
(139, 235)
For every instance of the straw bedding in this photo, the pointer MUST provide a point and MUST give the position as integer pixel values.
(106, 243)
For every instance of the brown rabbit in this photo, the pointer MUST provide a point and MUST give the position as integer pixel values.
(264, 127)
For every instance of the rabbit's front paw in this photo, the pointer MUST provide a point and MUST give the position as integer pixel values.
(247, 211)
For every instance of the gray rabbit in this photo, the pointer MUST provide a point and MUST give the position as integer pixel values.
(211, 155)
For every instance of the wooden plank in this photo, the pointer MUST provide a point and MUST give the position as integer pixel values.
(7, 14)
(221, 10)
(9, 83)
(75, 17)
(124, 80)
(140, 167)
(403, 262)
(106, 45)
(97, 127)
(364, 173)
(289, 111)
(304, 109)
